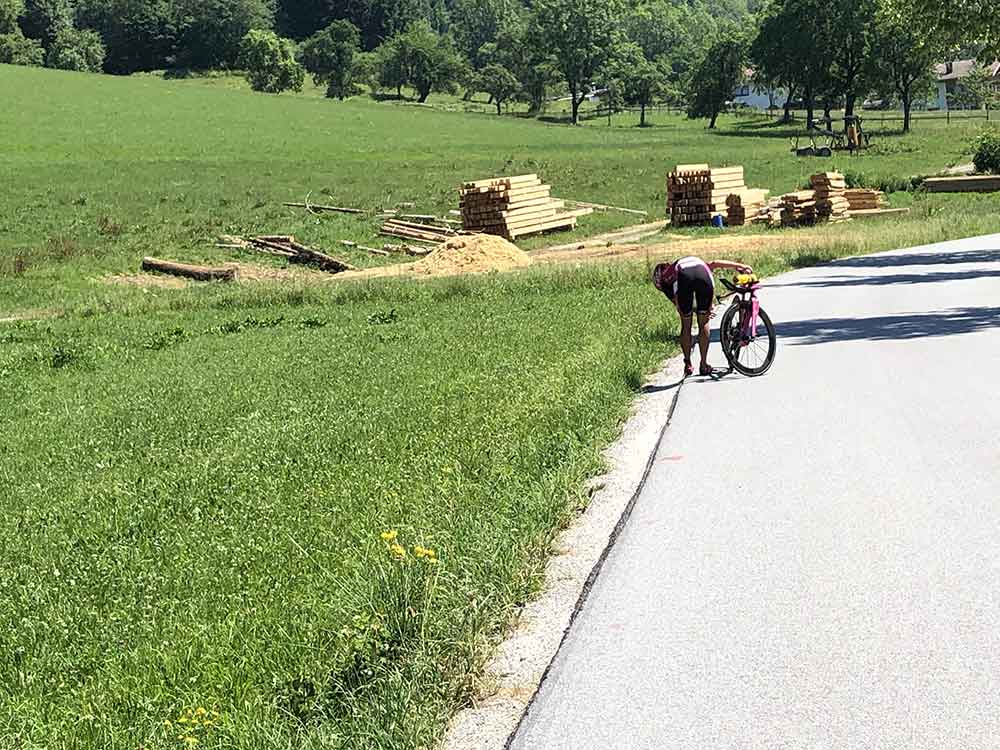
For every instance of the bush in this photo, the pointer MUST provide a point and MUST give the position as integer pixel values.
(73, 49)
(17, 49)
(986, 151)
(270, 64)
(885, 183)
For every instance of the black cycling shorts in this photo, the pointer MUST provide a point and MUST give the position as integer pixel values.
(694, 284)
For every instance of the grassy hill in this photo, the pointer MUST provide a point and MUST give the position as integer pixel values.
(195, 484)
(104, 170)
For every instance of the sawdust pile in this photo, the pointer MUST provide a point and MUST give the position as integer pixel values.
(476, 253)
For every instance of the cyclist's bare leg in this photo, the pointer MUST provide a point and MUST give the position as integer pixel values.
(704, 337)
(686, 342)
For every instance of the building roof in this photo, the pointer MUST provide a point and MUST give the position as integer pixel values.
(951, 71)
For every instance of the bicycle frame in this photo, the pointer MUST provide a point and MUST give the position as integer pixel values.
(749, 305)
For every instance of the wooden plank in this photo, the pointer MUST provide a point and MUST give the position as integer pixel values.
(498, 180)
(557, 223)
(972, 184)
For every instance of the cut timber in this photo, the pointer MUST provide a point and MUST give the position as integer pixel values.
(494, 181)
(557, 223)
(984, 183)
(511, 206)
(199, 273)
(322, 261)
(602, 207)
(315, 207)
(862, 213)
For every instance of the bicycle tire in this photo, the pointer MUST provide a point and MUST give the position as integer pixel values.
(731, 345)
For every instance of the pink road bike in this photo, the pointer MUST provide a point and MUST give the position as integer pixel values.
(749, 350)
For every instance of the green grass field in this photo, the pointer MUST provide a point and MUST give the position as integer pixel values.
(194, 483)
(104, 170)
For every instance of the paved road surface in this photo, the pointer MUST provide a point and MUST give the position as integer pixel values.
(815, 560)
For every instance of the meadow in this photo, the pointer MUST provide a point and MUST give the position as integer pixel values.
(290, 515)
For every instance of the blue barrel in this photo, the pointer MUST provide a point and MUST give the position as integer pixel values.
(717, 221)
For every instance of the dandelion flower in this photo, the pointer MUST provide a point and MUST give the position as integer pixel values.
(200, 711)
(390, 535)
(398, 551)
(419, 551)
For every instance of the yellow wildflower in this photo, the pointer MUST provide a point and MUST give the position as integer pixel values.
(167, 723)
(390, 535)
(398, 551)
(419, 551)
(200, 711)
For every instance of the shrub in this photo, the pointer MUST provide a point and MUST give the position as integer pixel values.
(986, 151)
(270, 64)
(74, 49)
(17, 49)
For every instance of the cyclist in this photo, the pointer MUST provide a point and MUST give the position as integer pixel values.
(689, 284)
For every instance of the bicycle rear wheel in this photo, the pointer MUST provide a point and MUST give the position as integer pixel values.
(751, 358)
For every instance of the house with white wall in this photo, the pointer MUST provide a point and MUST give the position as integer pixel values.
(758, 97)
(949, 77)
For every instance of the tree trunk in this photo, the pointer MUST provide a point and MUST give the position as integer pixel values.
(497, 102)
(576, 104)
(810, 109)
(906, 112)
(849, 108)
(185, 270)
(642, 114)
(399, 91)
(788, 106)
(424, 93)
(711, 123)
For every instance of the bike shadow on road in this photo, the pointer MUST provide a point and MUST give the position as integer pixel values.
(949, 322)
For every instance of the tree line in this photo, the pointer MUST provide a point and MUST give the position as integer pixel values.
(826, 54)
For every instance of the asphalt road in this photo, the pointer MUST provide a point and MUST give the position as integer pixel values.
(814, 561)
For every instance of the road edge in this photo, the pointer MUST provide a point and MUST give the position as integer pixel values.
(522, 661)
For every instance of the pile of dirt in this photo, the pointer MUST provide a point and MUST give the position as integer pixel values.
(477, 253)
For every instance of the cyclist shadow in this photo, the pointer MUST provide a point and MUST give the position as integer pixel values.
(650, 388)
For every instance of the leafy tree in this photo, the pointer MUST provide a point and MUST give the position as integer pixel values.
(641, 81)
(906, 49)
(475, 23)
(9, 12)
(715, 78)
(421, 58)
(959, 22)
(17, 49)
(670, 33)
(583, 37)
(364, 70)
(209, 32)
(75, 49)
(499, 83)
(138, 34)
(329, 56)
(534, 67)
(44, 19)
(269, 62)
(848, 44)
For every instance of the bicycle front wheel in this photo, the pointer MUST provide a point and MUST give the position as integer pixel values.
(751, 357)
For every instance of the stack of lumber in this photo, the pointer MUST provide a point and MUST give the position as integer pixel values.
(285, 246)
(798, 208)
(862, 199)
(745, 207)
(697, 192)
(511, 207)
(983, 183)
(416, 231)
(831, 203)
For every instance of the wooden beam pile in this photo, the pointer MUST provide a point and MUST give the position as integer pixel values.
(697, 192)
(798, 208)
(285, 246)
(831, 203)
(861, 199)
(746, 207)
(982, 183)
(416, 231)
(512, 207)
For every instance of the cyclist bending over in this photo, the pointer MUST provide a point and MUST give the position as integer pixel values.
(689, 284)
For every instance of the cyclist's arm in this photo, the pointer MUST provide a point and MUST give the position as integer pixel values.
(741, 267)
